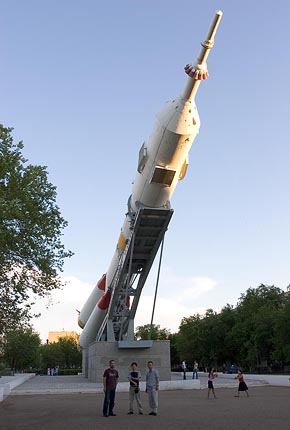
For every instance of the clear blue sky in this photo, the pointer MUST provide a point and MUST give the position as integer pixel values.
(81, 83)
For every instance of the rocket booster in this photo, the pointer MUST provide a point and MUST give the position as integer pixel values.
(162, 163)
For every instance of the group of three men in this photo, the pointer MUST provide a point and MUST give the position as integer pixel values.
(110, 380)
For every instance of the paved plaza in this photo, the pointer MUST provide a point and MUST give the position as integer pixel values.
(71, 405)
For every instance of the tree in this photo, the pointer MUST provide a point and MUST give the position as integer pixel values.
(281, 339)
(64, 353)
(226, 345)
(157, 333)
(72, 355)
(174, 354)
(31, 253)
(21, 348)
(257, 312)
(202, 338)
(189, 342)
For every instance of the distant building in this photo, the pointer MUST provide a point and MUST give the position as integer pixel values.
(53, 336)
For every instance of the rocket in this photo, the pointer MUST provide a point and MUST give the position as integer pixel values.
(162, 163)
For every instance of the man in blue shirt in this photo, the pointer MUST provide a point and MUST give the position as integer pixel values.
(152, 387)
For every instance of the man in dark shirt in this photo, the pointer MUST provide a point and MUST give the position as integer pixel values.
(134, 391)
(110, 380)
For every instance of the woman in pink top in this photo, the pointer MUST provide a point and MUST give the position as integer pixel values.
(210, 386)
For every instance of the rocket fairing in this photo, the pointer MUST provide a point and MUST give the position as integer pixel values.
(162, 164)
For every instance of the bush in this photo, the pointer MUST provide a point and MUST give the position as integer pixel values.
(63, 372)
(6, 371)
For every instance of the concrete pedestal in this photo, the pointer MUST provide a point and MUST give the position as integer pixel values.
(96, 358)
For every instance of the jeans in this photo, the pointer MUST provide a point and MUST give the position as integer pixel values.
(153, 399)
(109, 401)
(195, 374)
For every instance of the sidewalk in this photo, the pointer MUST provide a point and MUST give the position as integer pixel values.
(29, 384)
(78, 384)
(8, 383)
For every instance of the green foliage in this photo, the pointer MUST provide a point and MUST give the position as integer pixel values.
(21, 348)
(31, 253)
(189, 341)
(5, 371)
(254, 332)
(257, 312)
(174, 350)
(281, 334)
(65, 354)
(145, 332)
(63, 372)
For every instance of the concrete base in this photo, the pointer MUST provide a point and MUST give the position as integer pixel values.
(85, 362)
(1, 394)
(96, 359)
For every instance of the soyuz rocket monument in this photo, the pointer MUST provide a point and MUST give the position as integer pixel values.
(109, 312)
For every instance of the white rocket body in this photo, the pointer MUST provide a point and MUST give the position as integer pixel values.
(95, 320)
(93, 298)
(167, 152)
(162, 163)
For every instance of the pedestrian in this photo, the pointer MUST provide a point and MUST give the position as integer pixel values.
(152, 387)
(110, 381)
(210, 386)
(183, 367)
(134, 389)
(195, 370)
(242, 385)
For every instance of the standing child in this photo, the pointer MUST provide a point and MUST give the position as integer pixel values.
(210, 386)
(242, 385)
